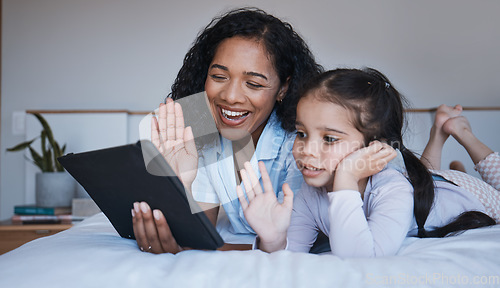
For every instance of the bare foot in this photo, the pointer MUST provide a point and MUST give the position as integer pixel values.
(445, 113)
(457, 165)
(433, 150)
(458, 127)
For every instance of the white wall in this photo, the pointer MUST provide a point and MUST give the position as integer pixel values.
(124, 54)
(80, 132)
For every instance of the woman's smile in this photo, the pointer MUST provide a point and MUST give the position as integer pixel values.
(242, 87)
(233, 117)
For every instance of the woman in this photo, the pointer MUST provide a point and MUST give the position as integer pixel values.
(251, 65)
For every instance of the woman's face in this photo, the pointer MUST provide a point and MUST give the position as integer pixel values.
(242, 87)
(325, 136)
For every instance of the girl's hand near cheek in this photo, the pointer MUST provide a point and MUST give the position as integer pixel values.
(362, 164)
(267, 217)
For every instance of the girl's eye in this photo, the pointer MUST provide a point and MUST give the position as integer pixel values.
(300, 134)
(254, 85)
(329, 139)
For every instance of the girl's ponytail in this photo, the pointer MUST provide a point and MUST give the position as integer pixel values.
(465, 221)
(423, 189)
(423, 198)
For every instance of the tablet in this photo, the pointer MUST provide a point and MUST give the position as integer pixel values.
(117, 177)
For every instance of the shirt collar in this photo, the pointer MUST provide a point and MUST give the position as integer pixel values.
(269, 144)
(271, 139)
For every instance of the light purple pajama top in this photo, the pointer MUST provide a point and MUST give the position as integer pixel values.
(375, 225)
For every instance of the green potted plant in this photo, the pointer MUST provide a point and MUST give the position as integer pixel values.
(54, 186)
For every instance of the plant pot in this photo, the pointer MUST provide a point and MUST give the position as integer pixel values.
(54, 189)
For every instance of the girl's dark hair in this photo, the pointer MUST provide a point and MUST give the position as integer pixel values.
(290, 55)
(378, 112)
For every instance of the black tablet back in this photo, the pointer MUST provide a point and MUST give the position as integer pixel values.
(117, 177)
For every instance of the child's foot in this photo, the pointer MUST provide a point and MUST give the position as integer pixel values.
(444, 113)
(437, 138)
(457, 165)
(459, 127)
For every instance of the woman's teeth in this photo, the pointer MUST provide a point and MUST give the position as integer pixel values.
(228, 113)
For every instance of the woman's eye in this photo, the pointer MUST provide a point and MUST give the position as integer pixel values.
(217, 77)
(329, 139)
(254, 85)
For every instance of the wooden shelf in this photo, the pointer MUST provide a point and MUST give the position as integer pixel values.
(15, 235)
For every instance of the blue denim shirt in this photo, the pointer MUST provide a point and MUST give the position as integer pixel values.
(216, 178)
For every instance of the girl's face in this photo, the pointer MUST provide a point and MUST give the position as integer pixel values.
(242, 87)
(325, 136)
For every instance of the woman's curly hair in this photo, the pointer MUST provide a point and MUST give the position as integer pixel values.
(290, 55)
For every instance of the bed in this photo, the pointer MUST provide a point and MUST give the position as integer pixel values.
(91, 254)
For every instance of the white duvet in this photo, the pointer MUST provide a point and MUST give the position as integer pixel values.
(91, 254)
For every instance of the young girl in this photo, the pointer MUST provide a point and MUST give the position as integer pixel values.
(365, 209)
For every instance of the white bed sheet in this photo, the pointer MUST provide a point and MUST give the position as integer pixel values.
(91, 254)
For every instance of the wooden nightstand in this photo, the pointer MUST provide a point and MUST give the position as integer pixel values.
(13, 236)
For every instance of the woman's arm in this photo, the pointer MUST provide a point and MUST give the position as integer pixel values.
(151, 229)
(176, 144)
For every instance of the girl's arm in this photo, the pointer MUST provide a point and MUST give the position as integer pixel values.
(303, 230)
(380, 228)
(379, 232)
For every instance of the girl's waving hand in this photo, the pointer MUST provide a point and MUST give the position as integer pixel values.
(268, 218)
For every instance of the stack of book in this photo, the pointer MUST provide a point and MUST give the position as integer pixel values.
(32, 214)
